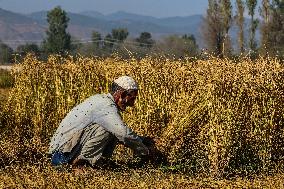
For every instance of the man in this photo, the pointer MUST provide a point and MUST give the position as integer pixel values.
(91, 130)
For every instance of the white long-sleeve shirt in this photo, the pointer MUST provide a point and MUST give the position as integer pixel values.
(100, 109)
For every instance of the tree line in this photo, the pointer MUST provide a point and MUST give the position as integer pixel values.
(220, 18)
(59, 41)
(215, 30)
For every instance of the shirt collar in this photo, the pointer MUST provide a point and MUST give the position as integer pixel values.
(110, 96)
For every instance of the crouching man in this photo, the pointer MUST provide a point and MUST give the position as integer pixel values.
(91, 130)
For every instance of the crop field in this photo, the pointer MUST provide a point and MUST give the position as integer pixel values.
(219, 121)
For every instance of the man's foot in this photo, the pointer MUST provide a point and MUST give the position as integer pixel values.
(79, 170)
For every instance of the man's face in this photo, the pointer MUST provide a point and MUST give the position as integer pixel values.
(127, 98)
(130, 98)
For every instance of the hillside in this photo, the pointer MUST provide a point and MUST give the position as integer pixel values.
(17, 28)
(133, 22)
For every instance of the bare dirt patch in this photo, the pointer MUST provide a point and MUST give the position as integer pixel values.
(6, 67)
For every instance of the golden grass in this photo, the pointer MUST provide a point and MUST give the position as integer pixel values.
(31, 176)
(4, 95)
(215, 116)
(6, 80)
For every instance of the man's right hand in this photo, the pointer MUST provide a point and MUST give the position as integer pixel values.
(155, 156)
(148, 141)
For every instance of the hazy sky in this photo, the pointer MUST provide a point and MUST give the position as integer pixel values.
(157, 8)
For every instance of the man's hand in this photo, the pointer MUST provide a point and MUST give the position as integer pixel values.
(148, 141)
(155, 156)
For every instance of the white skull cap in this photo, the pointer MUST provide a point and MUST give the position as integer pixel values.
(126, 82)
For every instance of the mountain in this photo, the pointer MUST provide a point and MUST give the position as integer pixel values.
(13, 18)
(181, 21)
(156, 26)
(170, 25)
(18, 29)
(94, 14)
(121, 15)
(81, 25)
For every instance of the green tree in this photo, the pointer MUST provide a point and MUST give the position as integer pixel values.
(240, 22)
(58, 40)
(226, 10)
(273, 28)
(190, 42)
(108, 42)
(145, 39)
(264, 27)
(119, 34)
(114, 40)
(179, 47)
(251, 5)
(28, 48)
(96, 39)
(212, 28)
(6, 53)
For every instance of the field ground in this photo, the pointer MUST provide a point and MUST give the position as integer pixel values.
(44, 176)
(5, 67)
